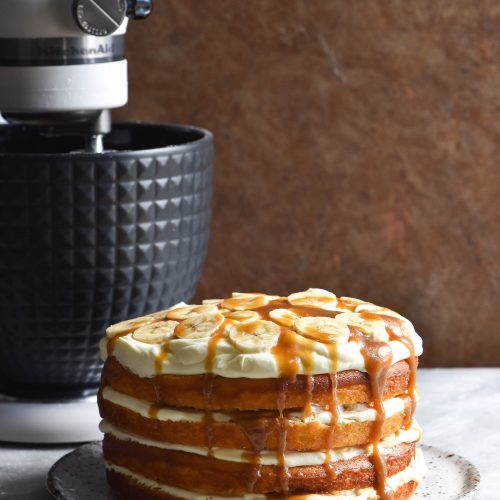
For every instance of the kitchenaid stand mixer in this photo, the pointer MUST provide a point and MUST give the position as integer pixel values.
(97, 222)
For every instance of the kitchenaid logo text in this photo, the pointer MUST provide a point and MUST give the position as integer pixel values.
(61, 51)
(103, 49)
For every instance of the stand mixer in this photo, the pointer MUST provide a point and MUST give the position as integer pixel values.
(98, 222)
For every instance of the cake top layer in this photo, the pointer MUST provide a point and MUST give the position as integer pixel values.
(256, 335)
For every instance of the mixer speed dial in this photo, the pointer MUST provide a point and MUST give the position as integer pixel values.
(100, 17)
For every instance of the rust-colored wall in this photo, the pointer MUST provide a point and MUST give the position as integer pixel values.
(358, 149)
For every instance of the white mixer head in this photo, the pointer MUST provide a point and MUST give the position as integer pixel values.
(62, 62)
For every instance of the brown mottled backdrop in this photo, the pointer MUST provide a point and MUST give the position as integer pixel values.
(358, 149)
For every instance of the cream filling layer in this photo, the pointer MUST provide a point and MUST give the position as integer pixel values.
(187, 357)
(269, 457)
(414, 472)
(347, 413)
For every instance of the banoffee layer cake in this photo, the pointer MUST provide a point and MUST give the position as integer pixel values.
(258, 396)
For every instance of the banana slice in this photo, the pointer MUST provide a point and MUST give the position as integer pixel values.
(155, 333)
(245, 301)
(212, 302)
(284, 317)
(315, 297)
(181, 313)
(242, 316)
(372, 308)
(255, 336)
(351, 303)
(406, 324)
(246, 294)
(323, 329)
(200, 326)
(162, 315)
(371, 326)
(127, 326)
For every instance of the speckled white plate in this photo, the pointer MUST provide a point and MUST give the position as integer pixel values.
(79, 475)
(449, 476)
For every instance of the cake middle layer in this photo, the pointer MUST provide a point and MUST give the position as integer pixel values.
(267, 456)
(239, 429)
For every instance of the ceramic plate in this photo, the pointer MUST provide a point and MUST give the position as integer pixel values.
(79, 475)
(450, 477)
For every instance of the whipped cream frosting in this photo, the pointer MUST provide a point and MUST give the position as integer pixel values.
(346, 413)
(188, 354)
(187, 357)
(269, 457)
(414, 472)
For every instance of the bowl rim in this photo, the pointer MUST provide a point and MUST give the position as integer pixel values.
(205, 140)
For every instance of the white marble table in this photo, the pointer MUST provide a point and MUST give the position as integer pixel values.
(459, 412)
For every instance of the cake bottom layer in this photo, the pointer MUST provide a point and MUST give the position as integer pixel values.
(208, 474)
(128, 485)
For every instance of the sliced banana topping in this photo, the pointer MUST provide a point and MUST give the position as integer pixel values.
(211, 302)
(323, 329)
(351, 303)
(367, 306)
(367, 323)
(255, 336)
(315, 297)
(245, 301)
(406, 325)
(200, 326)
(155, 333)
(180, 313)
(246, 294)
(242, 316)
(127, 326)
(284, 317)
(160, 315)
(372, 308)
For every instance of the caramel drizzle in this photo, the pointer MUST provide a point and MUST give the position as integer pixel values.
(153, 410)
(395, 329)
(256, 433)
(162, 356)
(282, 436)
(286, 354)
(309, 392)
(333, 408)
(110, 345)
(289, 352)
(378, 360)
(208, 387)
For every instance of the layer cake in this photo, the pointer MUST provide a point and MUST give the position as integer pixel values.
(258, 396)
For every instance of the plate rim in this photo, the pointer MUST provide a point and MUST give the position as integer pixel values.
(471, 469)
(49, 479)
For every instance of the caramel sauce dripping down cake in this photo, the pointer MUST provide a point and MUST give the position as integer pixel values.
(260, 396)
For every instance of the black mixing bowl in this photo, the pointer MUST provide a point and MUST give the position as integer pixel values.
(89, 239)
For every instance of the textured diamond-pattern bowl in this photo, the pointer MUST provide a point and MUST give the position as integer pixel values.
(87, 240)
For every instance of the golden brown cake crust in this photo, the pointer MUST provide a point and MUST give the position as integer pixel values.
(206, 474)
(249, 394)
(235, 434)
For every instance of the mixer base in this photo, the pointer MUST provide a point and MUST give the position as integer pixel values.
(49, 422)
